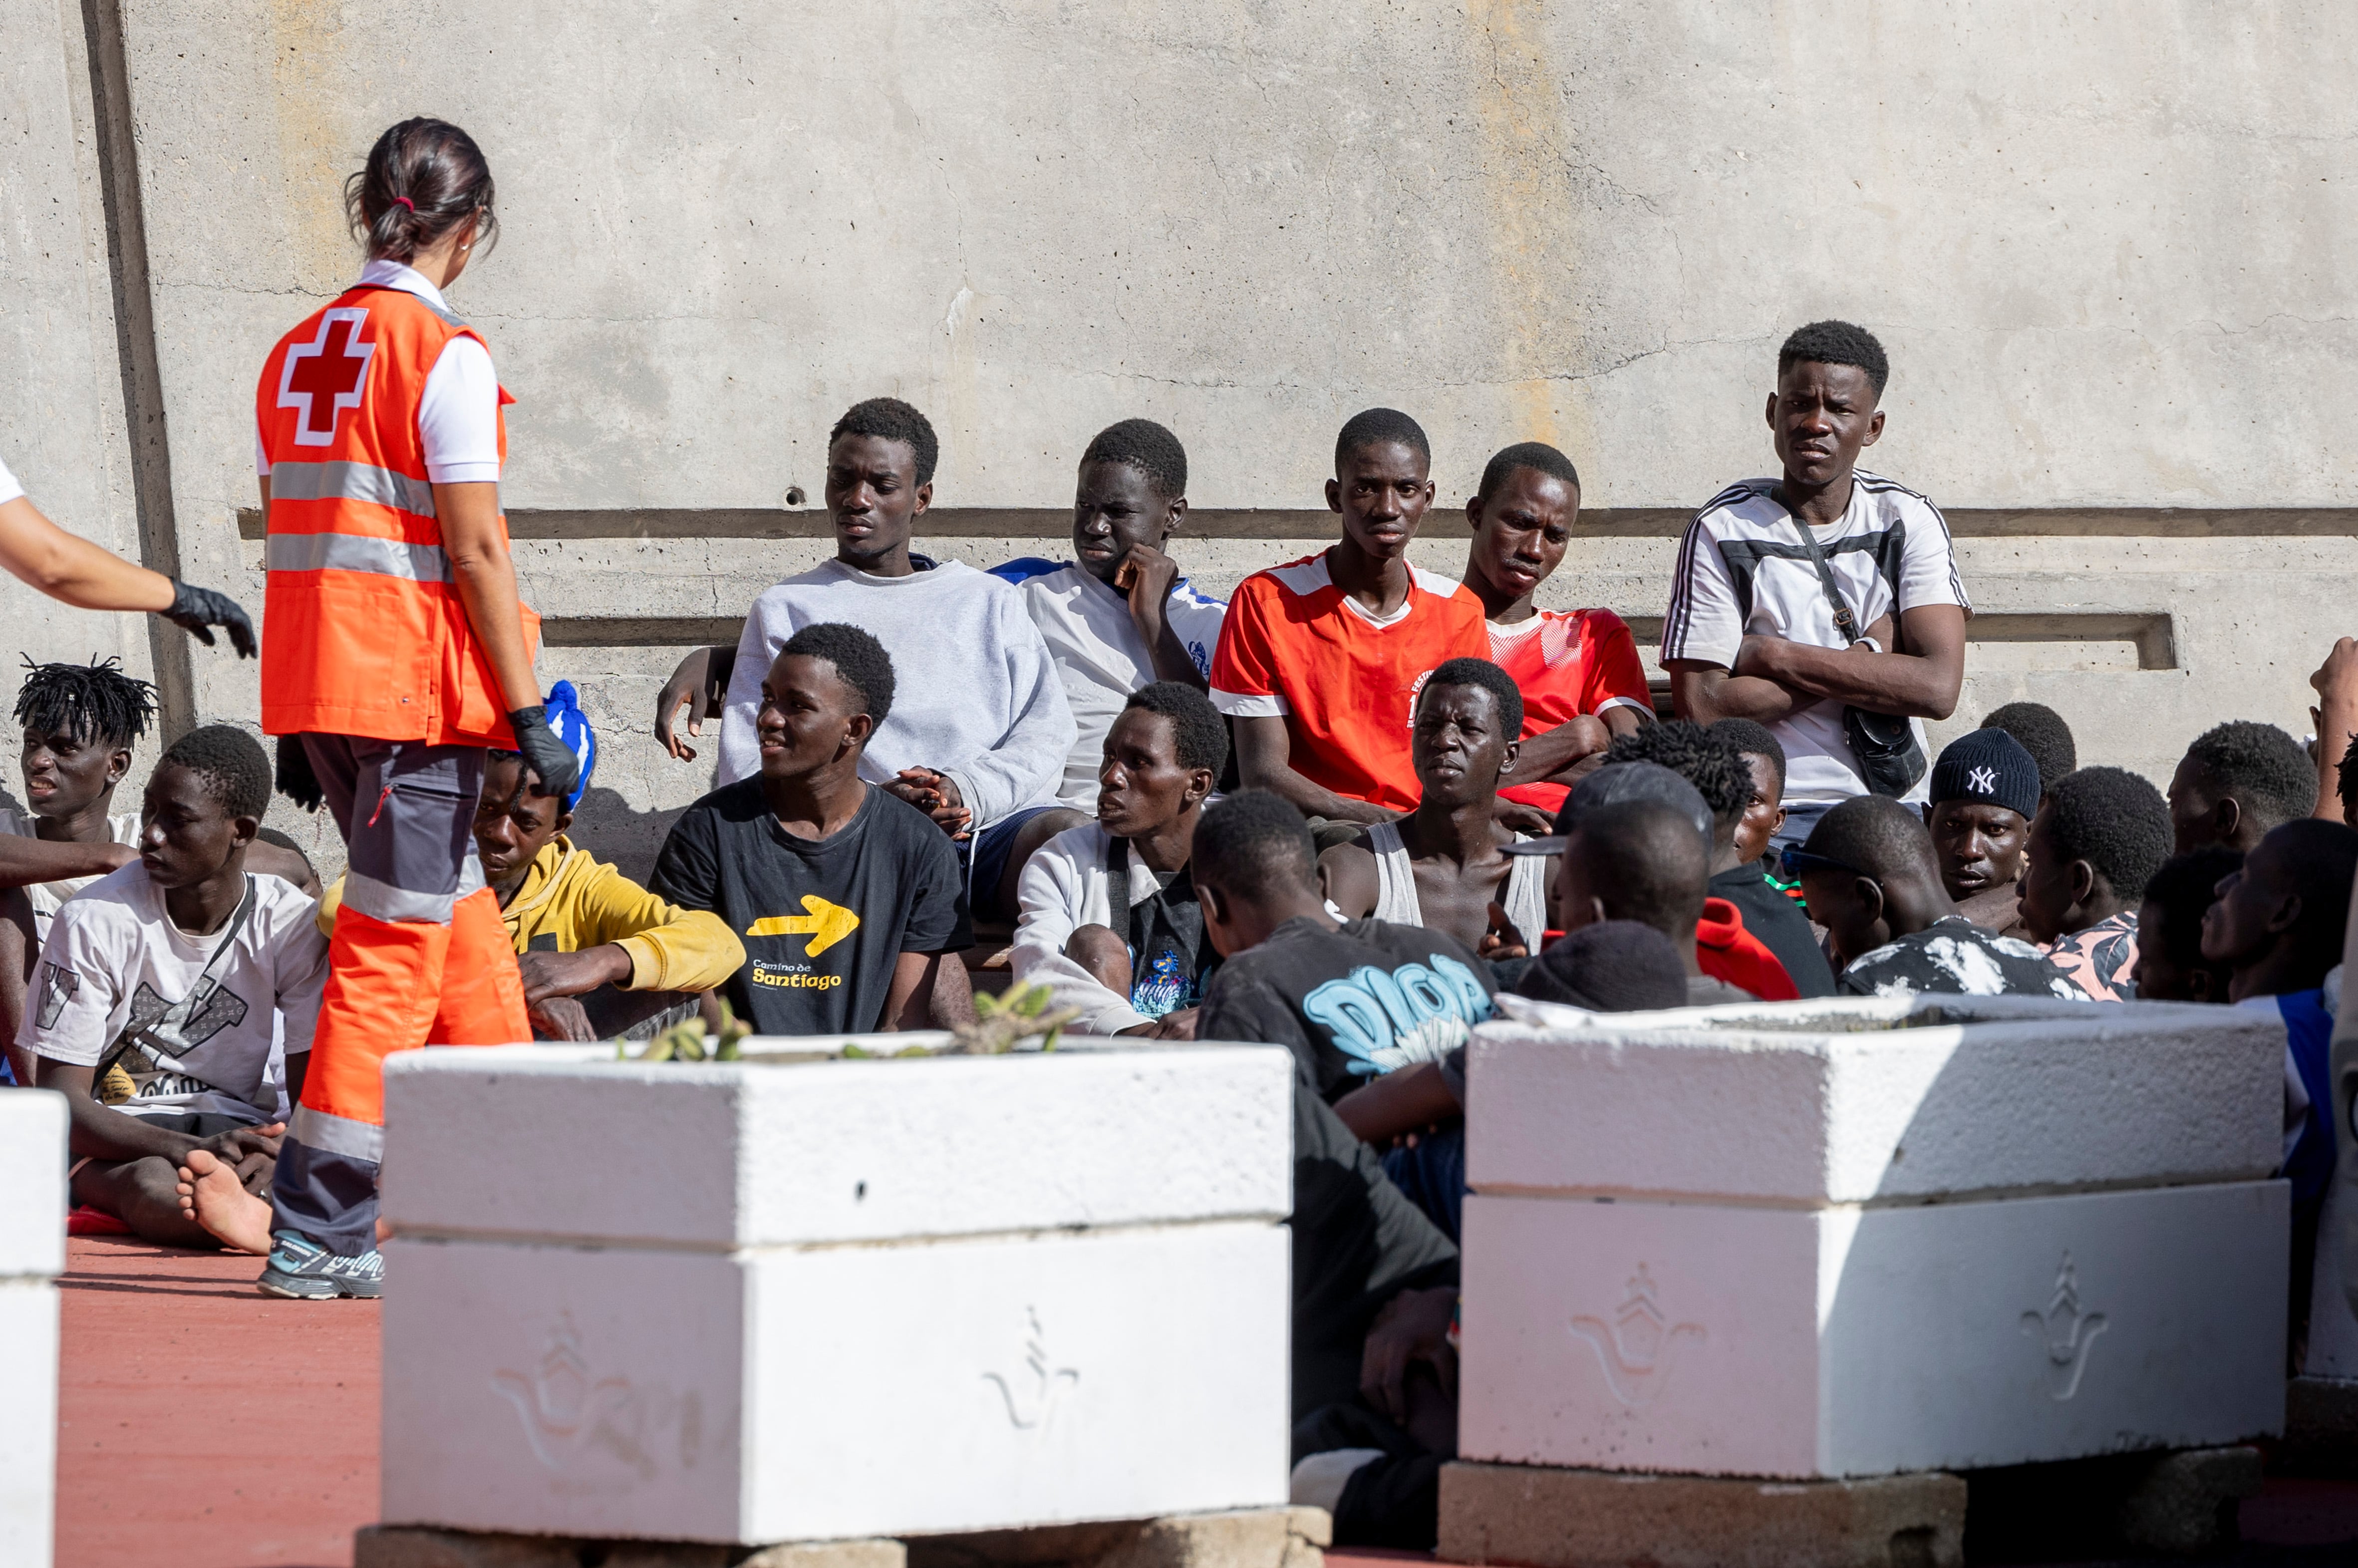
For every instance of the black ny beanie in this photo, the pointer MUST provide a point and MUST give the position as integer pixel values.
(1614, 966)
(1988, 766)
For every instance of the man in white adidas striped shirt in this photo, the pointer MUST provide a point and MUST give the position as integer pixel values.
(1750, 633)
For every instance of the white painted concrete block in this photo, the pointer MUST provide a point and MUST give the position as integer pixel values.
(555, 1142)
(834, 1392)
(1865, 1099)
(757, 1301)
(33, 1178)
(32, 1254)
(1819, 1343)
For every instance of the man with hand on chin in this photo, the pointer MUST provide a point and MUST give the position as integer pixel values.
(1110, 918)
(1120, 616)
(1754, 631)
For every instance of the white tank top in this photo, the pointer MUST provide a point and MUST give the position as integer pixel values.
(1396, 901)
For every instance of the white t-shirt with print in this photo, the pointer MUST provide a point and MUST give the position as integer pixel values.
(1099, 655)
(121, 829)
(1743, 570)
(115, 962)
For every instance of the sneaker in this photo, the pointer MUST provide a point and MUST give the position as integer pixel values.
(302, 1270)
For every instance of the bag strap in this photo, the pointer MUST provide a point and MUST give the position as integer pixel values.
(123, 1042)
(1844, 622)
(1117, 865)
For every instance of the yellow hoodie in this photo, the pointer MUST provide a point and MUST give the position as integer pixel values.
(570, 900)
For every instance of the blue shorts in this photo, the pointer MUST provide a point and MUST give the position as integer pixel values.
(983, 858)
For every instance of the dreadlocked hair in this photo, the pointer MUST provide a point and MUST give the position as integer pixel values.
(95, 701)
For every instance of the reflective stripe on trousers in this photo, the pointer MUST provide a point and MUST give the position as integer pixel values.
(419, 956)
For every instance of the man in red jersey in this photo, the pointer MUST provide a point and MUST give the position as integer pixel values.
(1320, 660)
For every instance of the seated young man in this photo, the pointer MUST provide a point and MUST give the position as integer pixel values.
(1120, 616)
(1320, 659)
(848, 899)
(1739, 894)
(2169, 962)
(1754, 632)
(1578, 669)
(181, 968)
(1645, 862)
(1985, 789)
(2041, 731)
(1441, 865)
(2095, 844)
(2236, 784)
(1891, 928)
(978, 738)
(581, 929)
(1352, 999)
(2279, 926)
(1145, 972)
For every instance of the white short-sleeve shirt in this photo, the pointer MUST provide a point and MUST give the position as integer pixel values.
(9, 489)
(123, 827)
(458, 413)
(1743, 570)
(114, 963)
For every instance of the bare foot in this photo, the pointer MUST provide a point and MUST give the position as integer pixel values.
(211, 1195)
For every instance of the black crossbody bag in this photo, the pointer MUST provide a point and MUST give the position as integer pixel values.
(1889, 760)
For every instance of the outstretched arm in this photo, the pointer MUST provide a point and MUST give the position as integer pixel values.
(71, 568)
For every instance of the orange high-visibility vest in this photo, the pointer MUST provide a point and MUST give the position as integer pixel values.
(362, 633)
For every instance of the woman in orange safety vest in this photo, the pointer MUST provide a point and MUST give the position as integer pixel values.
(395, 653)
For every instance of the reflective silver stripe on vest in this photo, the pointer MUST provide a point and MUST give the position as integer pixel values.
(385, 901)
(353, 553)
(350, 481)
(336, 1135)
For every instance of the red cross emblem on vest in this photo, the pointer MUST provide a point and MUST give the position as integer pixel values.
(324, 377)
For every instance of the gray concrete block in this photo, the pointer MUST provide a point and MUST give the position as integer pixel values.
(1596, 1519)
(1238, 1538)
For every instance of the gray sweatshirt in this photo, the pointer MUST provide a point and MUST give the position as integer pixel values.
(974, 694)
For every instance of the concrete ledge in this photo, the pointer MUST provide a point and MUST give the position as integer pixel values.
(1246, 1538)
(1597, 1518)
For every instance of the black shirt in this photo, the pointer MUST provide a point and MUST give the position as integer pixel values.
(889, 874)
(1352, 1004)
(1779, 924)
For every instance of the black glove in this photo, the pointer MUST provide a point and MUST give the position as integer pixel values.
(295, 778)
(197, 610)
(544, 754)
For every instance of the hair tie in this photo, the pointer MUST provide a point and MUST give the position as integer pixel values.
(406, 202)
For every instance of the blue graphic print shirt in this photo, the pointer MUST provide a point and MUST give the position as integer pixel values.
(1352, 1004)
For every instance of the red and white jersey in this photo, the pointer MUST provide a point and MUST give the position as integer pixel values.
(1295, 645)
(1568, 663)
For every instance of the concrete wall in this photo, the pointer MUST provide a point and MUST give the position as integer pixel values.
(2098, 245)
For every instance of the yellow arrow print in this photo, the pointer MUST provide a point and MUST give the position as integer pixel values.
(827, 923)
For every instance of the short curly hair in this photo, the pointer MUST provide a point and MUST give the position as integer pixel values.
(1147, 447)
(860, 661)
(1710, 761)
(2115, 820)
(1490, 678)
(1373, 426)
(890, 419)
(1752, 737)
(1536, 455)
(2264, 769)
(1199, 736)
(1833, 342)
(235, 771)
(2040, 730)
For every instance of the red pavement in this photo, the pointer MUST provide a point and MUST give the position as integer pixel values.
(205, 1425)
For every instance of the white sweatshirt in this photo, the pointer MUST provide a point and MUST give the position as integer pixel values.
(1065, 887)
(975, 696)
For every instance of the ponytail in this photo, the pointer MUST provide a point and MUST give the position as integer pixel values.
(425, 177)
